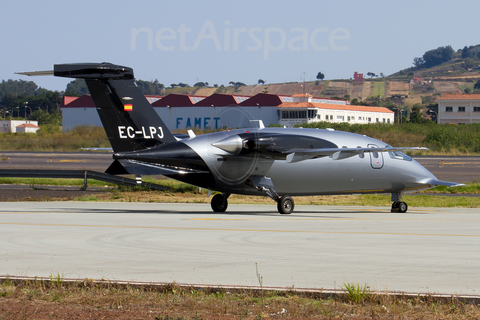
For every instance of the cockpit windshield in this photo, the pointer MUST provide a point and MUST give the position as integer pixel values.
(398, 155)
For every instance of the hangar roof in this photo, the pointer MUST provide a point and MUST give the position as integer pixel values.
(86, 101)
(333, 107)
(220, 99)
(178, 100)
(263, 99)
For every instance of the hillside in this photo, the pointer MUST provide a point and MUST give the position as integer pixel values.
(456, 75)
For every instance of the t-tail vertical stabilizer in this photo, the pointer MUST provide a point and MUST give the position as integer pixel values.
(129, 120)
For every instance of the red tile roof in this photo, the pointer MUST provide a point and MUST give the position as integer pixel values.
(333, 107)
(463, 96)
(27, 125)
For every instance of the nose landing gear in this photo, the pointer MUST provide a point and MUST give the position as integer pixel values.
(398, 205)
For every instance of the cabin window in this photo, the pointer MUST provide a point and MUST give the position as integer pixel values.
(361, 155)
(448, 109)
(461, 109)
(476, 109)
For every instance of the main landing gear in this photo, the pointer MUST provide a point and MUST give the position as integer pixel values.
(219, 202)
(398, 205)
(285, 204)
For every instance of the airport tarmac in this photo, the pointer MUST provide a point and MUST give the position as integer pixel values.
(427, 250)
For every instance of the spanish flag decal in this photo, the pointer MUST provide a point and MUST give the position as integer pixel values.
(127, 107)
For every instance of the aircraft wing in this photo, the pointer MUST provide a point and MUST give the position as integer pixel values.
(340, 153)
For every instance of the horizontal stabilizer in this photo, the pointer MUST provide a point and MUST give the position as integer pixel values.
(340, 153)
(36, 73)
(103, 70)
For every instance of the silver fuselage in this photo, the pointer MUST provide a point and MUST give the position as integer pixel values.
(370, 172)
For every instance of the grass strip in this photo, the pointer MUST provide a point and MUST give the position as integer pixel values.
(52, 297)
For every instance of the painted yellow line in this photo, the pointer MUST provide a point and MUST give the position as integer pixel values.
(247, 230)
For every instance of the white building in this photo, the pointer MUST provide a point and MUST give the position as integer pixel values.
(305, 108)
(459, 108)
(179, 111)
(19, 126)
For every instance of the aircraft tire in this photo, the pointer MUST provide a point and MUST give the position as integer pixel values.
(395, 207)
(402, 207)
(219, 204)
(285, 205)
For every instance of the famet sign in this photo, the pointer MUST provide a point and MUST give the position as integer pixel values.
(201, 123)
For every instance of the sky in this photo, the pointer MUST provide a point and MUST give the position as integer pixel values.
(221, 41)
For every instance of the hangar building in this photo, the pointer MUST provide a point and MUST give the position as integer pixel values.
(217, 111)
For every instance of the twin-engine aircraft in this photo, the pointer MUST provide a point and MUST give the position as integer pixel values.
(275, 162)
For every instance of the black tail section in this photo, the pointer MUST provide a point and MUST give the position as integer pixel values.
(129, 120)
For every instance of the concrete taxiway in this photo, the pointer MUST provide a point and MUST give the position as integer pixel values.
(426, 250)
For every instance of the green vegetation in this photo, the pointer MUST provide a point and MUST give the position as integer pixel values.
(356, 293)
(434, 57)
(378, 89)
(440, 139)
(50, 138)
(90, 299)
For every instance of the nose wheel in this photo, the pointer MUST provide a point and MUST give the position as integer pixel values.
(398, 205)
(285, 205)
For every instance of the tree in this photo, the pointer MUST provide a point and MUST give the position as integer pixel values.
(416, 115)
(76, 88)
(320, 76)
(418, 62)
(438, 56)
(18, 87)
(355, 102)
(477, 85)
(199, 84)
(154, 88)
(260, 81)
(371, 74)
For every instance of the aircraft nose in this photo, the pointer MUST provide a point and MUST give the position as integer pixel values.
(422, 174)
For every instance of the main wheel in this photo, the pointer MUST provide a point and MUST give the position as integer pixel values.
(285, 205)
(219, 203)
(395, 207)
(402, 207)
